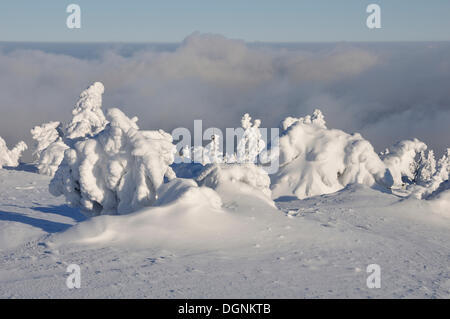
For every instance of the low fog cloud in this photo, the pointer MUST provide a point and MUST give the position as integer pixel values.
(387, 92)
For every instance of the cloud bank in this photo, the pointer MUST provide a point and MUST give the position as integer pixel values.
(387, 92)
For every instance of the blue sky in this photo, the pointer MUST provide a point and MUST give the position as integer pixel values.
(251, 20)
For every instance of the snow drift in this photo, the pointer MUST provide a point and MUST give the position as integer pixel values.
(188, 217)
(239, 178)
(11, 157)
(315, 160)
(116, 171)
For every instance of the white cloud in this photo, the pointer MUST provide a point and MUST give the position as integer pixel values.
(386, 92)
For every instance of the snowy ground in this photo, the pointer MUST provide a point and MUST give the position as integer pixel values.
(314, 248)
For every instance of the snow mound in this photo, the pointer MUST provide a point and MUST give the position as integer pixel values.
(440, 199)
(116, 171)
(190, 217)
(315, 160)
(11, 157)
(241, 178)
(186, 190)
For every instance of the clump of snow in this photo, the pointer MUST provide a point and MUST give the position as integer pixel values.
(241, 178)
(315, 160)
(11, 157)
(188, 192)
(53, 138)
(116, 171)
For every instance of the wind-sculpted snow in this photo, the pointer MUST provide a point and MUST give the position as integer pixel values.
(188, 217)
(11, 157)
(242, 178)
(116, 171)
(315, 160)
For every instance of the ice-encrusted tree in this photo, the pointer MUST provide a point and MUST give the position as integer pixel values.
(49, 147)
(116, 171)
(315, 160)
(251, 143)
(424, 167)
(402, 160)
(88, 118)
(440, 176)
(11, 157)
(44, 135)
(53, 138)
(204, 155)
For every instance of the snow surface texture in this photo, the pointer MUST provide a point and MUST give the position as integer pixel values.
(193, 247)
(116, 171)
(315, 160)
(11, 157)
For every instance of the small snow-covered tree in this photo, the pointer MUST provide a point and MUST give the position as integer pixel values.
(424, 168)
(117, 170)
(44, 135)
(204, 155)
(11, 157)
(440, 176)
(88, 117)
(53, 138)
(401, 159)
(251, 143)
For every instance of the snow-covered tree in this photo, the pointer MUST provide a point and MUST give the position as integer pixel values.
(44, 135)
(424, 168)
(402, 161)
(53, 138)
(88, 117)
(251, 143)
(117, 170)
(51, 157)
(440, 176)
(11, 157)
(315, 160)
